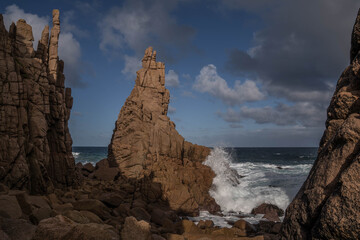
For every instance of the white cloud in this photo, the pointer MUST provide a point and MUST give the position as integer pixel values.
(172, 79)
(13, 13)
(132, 65)
(69, 47)
(209, 81)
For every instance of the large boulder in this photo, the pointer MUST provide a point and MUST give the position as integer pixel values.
(16, 229)
(9, 207)
(63, 228)
(35, 142)
(135, 230)
(146, 146)
(327, 206)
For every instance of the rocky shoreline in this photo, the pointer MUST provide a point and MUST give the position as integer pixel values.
(105, 208)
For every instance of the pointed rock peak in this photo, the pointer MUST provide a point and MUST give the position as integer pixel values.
(56, 17)
(355, 38)
(152, 73)
(45, 35)
(24, 31)
(2, 25)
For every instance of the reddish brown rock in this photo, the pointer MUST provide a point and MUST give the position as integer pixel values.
(35, 143)
(63, 228)
(271, 212)
(136, 230)
(146, 145)
(327, 206)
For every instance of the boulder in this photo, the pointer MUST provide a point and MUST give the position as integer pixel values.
(104, 172)
(9, 207)
(135, 230)
(63, 228)
(94, 206)
(35, 142)
(327, 205)
(16, 229)
(140, 214)
(271, 212)
(111, 199)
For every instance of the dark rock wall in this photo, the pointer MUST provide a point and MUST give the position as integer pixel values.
(35, 143)
(327, 205)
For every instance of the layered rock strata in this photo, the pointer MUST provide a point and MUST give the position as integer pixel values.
(146, 145)
(35, 143)
(327, 205)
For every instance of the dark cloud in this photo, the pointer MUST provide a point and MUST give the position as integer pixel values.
(139, 24)
(303, 46)
(266, 137)
(298, 56)
(305, 114)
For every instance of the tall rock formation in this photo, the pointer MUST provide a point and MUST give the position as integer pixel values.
(146, 145)
(328, 204)
(35, 143)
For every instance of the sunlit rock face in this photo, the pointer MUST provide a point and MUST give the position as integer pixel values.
(35, 143)
(327, 206)
(146, 145)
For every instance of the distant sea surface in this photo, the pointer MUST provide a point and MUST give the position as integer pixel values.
(271, 175)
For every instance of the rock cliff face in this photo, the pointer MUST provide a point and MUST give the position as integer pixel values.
(35, 143)
(145, 144)
(327, 205)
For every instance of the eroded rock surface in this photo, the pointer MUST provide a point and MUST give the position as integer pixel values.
(146, 145)
(35, 143)
(327, 205)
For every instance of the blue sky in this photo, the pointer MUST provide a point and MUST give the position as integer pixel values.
(241, 73)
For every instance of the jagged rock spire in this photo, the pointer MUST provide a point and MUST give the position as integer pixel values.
(35, 143)
(146, 145)
(54, 44)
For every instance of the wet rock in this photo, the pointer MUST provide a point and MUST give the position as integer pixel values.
(203, 224)
(270, 211)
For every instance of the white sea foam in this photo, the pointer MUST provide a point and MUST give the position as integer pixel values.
(75, 154)
(247, 192)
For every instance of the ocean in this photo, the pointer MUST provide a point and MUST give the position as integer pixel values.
(245, 177)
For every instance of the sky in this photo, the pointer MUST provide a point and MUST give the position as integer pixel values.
(241, 73)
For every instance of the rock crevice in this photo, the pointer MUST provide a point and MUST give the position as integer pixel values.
(35, 143)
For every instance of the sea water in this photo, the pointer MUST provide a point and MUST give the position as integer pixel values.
(245, 178)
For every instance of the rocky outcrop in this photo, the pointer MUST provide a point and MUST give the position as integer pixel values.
(146, 145)
(327, 205)
(35, 143)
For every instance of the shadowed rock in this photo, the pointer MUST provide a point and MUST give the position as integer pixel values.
(145, 144)
(35, 143)
(327, 205)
